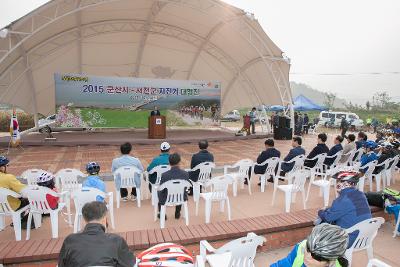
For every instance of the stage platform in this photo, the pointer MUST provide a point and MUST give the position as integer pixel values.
(134, 136)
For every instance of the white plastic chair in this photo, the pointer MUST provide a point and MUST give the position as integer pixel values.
(89, 194)
(31, 175)
(290, 190)
(241, 175)
(219, 193)
(272, 168)
(127, 175)
(237, 253)
(390, 173)
(176, 190)
(38, 205)
(358, 154)
(205, 170)
(298, 165)
(322, 183)
(68, 179)
(158, 170)
(377, 263)
(381, 176)
(6, 210)
(367, 231)
(368, 174)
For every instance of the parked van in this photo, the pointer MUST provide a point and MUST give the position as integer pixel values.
(333, 118)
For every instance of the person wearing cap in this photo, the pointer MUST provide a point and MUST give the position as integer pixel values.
(350, 146)
(127, 160)
(350, 207)
(325, 246)
(10, 182)
(47, 179)
(385, 152)
(335, 149)
(93, 180)
(369, 155)
(161, 159)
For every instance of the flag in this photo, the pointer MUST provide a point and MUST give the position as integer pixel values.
(14, 130)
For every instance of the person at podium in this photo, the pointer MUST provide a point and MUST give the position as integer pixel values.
(155, 112)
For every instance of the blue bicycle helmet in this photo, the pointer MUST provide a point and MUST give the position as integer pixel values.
(93, 168)
(3, 161)
(370, 144)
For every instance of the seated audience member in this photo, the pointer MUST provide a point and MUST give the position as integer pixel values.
(369, 155)
(269, 152)
(10, 182)
(393, 207)
(46, 179)
(325, 246)
(317, 150)
(335, 149)
(162, 159)
(202, 156)
(379, 137)
(297, 150)
(361, 139)
(93, 180)
(93, 246)
(176, 173)
(123, 161)
(385, 152)
(348, 147)
(351, 206)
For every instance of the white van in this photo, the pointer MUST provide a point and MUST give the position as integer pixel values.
(326, 117)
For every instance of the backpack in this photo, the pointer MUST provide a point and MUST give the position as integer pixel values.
(392, 194)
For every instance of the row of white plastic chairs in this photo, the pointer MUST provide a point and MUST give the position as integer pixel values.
(38, 205)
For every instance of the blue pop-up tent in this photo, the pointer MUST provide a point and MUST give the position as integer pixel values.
(276, 108)
(302, 103)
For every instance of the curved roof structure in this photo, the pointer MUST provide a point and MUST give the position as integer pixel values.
(170, 39)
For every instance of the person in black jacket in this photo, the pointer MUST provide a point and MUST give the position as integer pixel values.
(297, 150)
(202, 156)
(335, 149)
(269, 152)
(318, 149)
(386, 152)
(93, 246)
(155, 112)
(175, 173)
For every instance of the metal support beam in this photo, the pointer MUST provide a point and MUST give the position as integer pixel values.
(79, 40)
(155, 9)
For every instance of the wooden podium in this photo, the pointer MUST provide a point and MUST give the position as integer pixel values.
(157, 127)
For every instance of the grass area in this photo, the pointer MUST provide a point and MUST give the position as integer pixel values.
(120, 118)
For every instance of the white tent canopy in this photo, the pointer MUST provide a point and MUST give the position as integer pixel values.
(170, 39)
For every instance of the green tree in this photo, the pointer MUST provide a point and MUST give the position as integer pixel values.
(368, 105)
(382, 99)
(329, 101)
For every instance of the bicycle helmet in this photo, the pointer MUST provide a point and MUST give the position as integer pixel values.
(166, 255)
(370, 144)
(347, 176)
(327, 242)
(46, 179)
(92, 168)
(3, 161)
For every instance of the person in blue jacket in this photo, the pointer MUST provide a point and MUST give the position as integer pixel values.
(361, 139)
(325, 246)
(351, 206)
(369, 154)
(93, 180)
(320, 148)
(335, 149)
(162, 159)
(297, 150)
(392, 207)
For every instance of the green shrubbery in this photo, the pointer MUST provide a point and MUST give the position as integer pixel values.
(25, 121)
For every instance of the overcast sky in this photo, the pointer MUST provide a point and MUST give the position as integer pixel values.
(321, 37)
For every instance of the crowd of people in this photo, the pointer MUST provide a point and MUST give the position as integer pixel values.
(94, 246)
